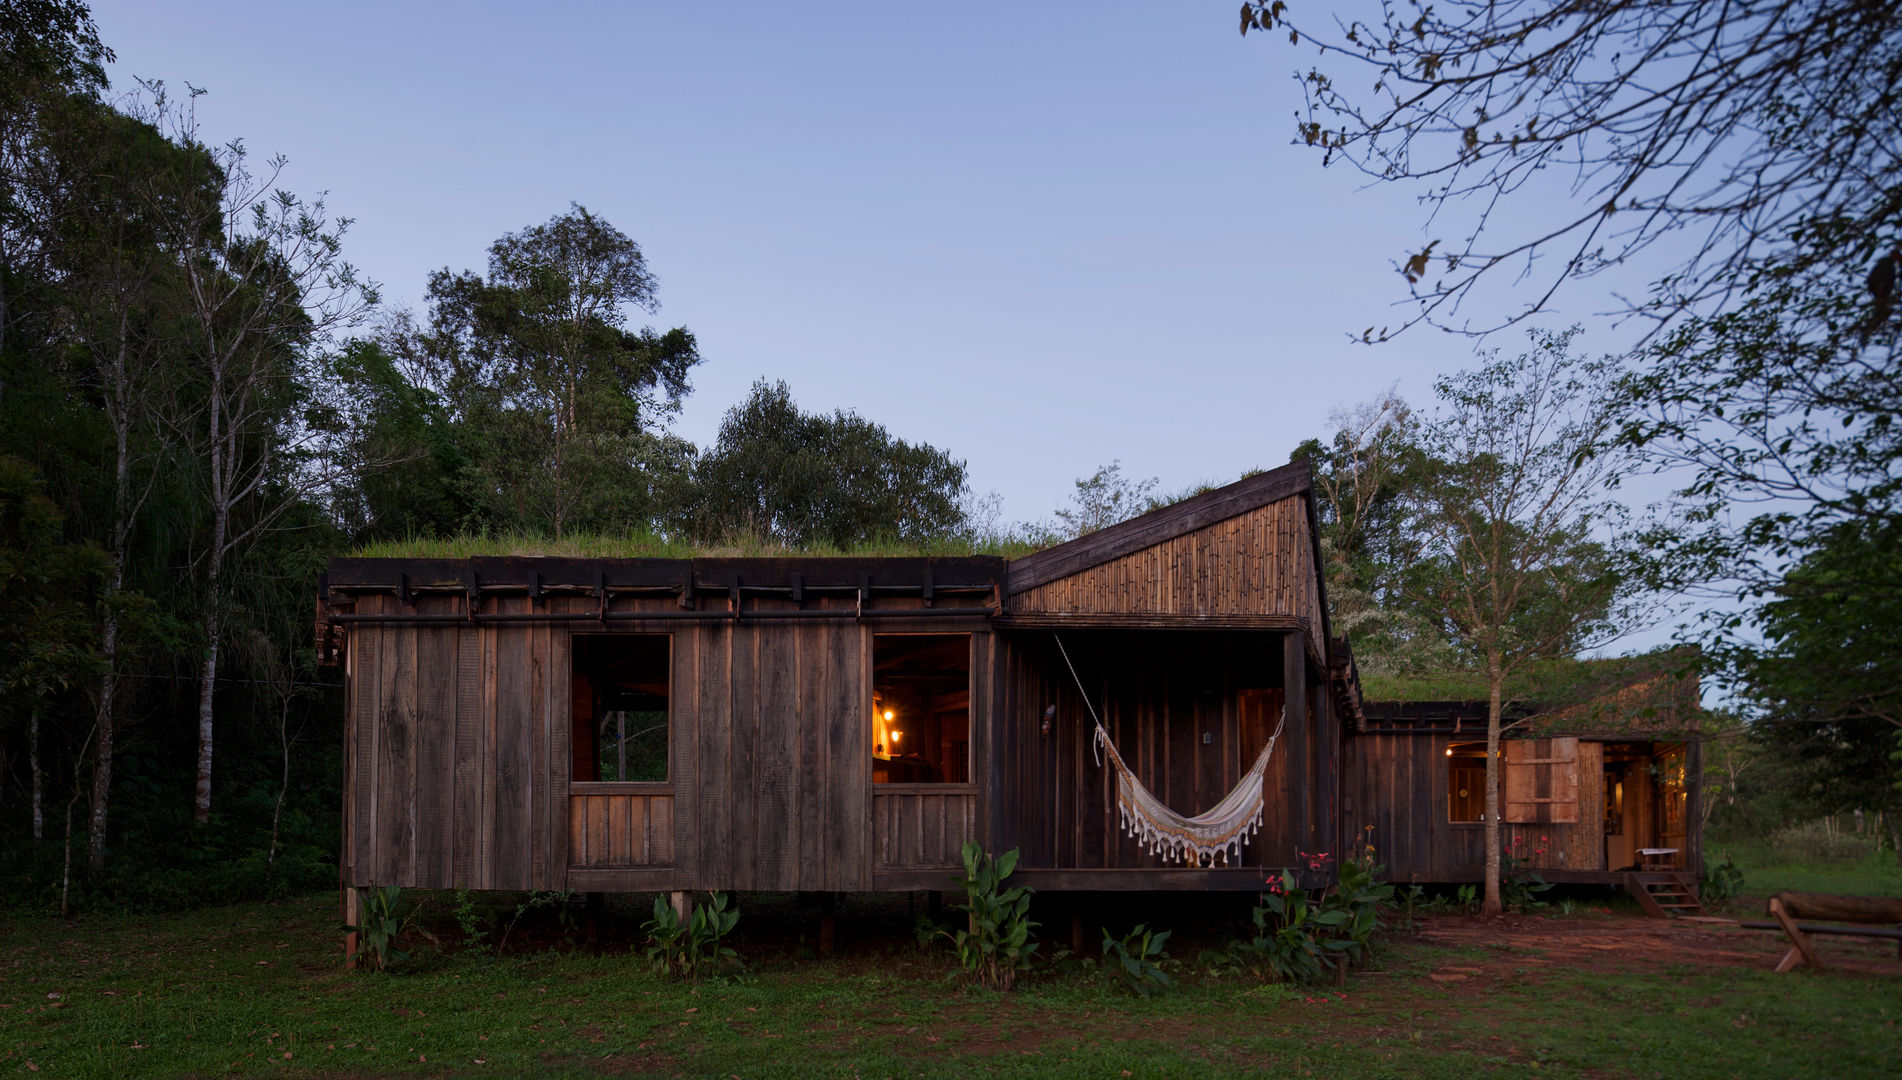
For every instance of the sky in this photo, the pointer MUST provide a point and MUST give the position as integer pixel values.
(1041, 237)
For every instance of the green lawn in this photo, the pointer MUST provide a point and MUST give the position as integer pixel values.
(255, 990)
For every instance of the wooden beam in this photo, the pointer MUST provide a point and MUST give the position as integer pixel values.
(1294, 693)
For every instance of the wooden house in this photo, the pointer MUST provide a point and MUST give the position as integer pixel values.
(848, 724)
(838, 724)
(1603, 789)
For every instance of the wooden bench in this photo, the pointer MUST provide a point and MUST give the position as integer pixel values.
(1868, 913)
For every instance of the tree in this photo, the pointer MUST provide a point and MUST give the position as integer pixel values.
(1102, 499)
(800, 479)
(1727, 127)
(48, 588)
(1363, 475)
(262, 285)
(1747, 157)
(1518, 556)
(564, 405)
(49, 49)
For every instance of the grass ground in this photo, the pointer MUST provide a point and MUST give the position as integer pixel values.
(1767, 870)
(256, 990)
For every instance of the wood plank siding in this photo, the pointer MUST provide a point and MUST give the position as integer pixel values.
(459, 754)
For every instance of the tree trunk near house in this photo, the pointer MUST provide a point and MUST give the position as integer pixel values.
(1494, 903)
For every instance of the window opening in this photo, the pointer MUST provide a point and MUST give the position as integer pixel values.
(620, 715)
(1466, 782)
(921, 708)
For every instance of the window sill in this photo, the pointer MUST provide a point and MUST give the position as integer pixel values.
(620, 787)
(924, 789)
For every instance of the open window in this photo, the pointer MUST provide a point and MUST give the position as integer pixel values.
(619, 717)
(1466, 781)
(921, 708)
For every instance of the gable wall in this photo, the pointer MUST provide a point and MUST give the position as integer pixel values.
(1256, 563)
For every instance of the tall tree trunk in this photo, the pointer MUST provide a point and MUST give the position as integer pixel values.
(102, 764)
(109, 632)
(220, 460)
(1494, 901)
(208, 680)
(33, 766)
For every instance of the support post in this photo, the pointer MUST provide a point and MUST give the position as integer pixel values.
(352, 916)
(1076, 926)
(682, 900)
(1294, 695)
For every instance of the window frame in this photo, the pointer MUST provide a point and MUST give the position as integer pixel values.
(621, 787)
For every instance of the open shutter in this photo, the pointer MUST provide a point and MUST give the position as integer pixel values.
(1541, 782)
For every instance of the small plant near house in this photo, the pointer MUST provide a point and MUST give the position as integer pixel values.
(379, 925)
(689, 948)
(559, 899)
(996, 944)
(1137, 959)
(1467, 898)
(1519, 887)
(1300, 936)
(1720, 884)
(468, 917)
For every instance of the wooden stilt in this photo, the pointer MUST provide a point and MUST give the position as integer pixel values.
(1076, 926)
(352, 916)
(827, 906)
(596, 911)
(683, 904)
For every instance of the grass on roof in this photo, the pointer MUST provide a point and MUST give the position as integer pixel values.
(1556, 680)
(652, 546)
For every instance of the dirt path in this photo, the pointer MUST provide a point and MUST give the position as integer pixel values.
(1626, 942)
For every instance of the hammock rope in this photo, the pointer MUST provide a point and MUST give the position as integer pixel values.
(1197, 841)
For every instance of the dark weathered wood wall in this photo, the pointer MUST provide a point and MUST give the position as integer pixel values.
(1397, 784)
(459, 765)
(1159, 694)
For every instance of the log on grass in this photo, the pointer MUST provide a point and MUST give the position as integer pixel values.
(1853, 909)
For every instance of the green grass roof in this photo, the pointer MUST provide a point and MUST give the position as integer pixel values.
(650, 546)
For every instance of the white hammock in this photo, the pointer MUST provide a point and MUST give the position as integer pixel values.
(1199, 840)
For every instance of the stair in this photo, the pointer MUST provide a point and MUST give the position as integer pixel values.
(1665, 894)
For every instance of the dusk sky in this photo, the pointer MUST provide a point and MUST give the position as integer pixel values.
(1041, 239)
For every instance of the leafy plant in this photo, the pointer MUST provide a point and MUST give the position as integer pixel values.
(553, 898)
(1467, 897)
(996, 943)
(688, 948)
(379, 926)
(1720, 884)
(1519, 887)
(468, 919)
(1136, 959)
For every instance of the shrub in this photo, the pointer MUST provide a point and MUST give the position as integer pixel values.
(996, 944)
(1136, 959)
(379, 926)
(689, 948)
(1720, 884)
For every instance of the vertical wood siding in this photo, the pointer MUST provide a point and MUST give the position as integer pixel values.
(1159, 694)
(459, 759)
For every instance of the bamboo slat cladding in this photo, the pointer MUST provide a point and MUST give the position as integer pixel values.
(1260, 562)
(607, 831)
(921, 830)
